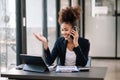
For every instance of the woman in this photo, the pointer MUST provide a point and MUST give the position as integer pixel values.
(70, 49)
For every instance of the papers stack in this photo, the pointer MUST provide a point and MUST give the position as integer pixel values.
(67, 69)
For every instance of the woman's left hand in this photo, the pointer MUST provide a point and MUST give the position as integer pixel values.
(75, 37)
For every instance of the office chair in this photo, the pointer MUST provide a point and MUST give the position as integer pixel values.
(89, 62)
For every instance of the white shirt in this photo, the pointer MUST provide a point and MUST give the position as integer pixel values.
(70, 59)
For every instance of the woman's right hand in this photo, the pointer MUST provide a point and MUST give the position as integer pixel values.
(42, 39)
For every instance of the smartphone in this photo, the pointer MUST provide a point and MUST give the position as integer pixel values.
(74, 28)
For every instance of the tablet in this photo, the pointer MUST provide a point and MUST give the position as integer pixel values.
(34, 63)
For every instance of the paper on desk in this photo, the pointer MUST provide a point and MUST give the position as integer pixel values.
(67, 69)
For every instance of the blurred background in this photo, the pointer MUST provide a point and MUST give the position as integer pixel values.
(99, 22)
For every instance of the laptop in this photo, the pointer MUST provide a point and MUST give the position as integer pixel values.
(34, 63)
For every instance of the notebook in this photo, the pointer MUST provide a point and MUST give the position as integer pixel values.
(67, 69)
(34, 63)
(71, 69)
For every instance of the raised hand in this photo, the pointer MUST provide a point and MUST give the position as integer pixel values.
(42, 39)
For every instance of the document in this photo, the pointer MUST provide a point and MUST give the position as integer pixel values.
(67, 69)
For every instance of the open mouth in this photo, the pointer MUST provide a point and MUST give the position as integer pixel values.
(66, 36)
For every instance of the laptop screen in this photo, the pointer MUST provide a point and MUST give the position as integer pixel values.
(34, 63)
(33, 60)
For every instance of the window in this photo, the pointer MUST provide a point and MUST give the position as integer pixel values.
(34, 25)
(7, 34)
(51, 23)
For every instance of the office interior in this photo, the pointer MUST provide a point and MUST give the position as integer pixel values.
(99, 22)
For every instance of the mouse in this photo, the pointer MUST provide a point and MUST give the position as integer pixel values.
(19, 68)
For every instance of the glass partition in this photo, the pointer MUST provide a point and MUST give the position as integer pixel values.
(51, 22)
(118, 37)
(118, 6)
(34, 25)
(7, 34)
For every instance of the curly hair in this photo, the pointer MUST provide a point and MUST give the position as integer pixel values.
(69, 15)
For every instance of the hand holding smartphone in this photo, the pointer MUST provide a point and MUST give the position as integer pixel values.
(71, 35)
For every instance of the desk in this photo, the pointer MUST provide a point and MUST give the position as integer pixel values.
(95, 73)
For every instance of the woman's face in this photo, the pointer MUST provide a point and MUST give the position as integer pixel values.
(66, 29)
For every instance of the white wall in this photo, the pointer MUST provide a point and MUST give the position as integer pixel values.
(100, 30)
